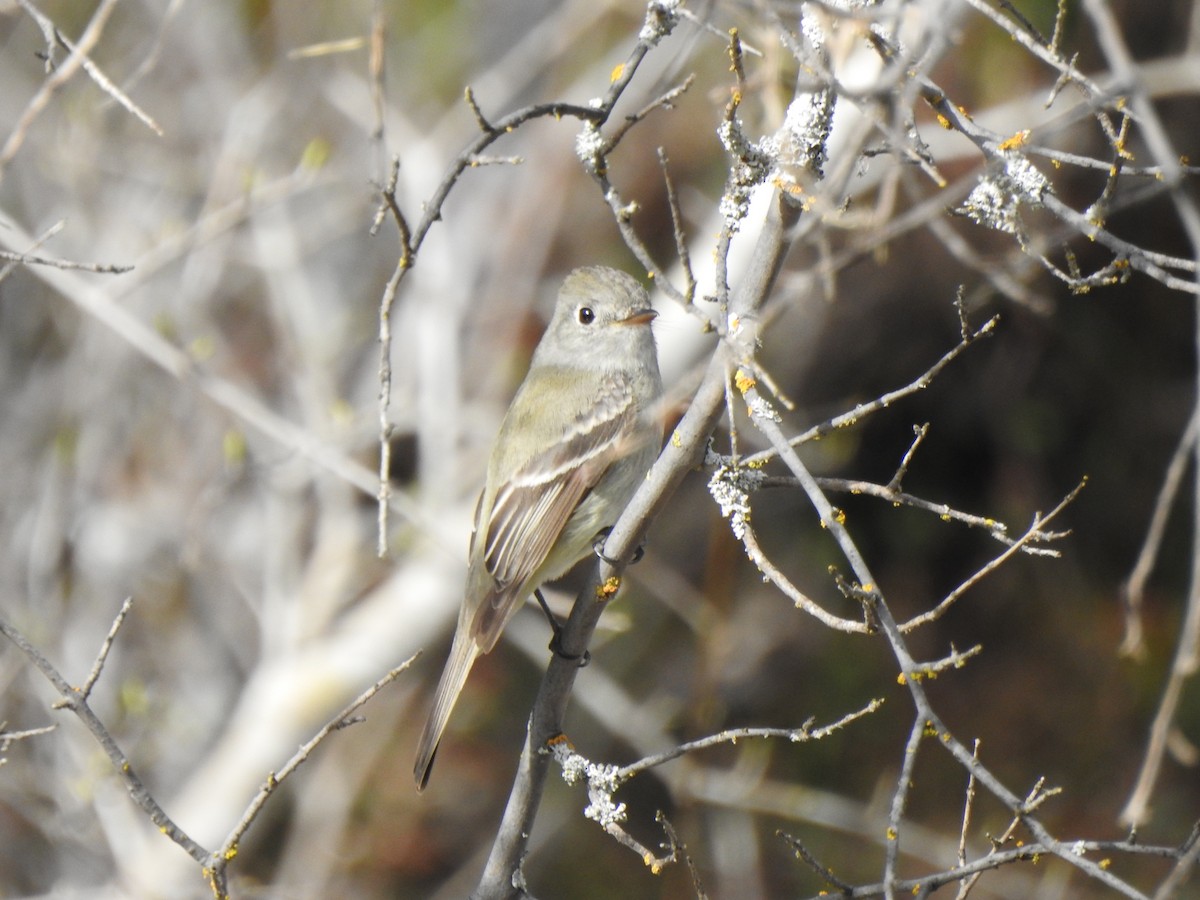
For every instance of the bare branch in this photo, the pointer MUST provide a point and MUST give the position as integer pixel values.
(1133, 591)
(75, 700)
(805, 732)
(1036, 533)
(102, 656)
(218, 861)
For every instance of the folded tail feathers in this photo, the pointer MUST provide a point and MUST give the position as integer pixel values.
(462, 656)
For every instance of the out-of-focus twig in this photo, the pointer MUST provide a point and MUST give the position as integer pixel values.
(77, 59)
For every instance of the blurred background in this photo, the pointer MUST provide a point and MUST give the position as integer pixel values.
(200, 432)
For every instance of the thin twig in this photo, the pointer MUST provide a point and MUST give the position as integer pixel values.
(681, 244)
(1134, 589)
(803, 602)
(75, 701)
(805, 732)
(884, 401)
(943, 511)
(919, 730)
(825, 873)
(219, 860)
(102, 656)
(968, 804)
(376, 63)
(664, 101)
(77, 59)
(1035, 533)
(919, 433)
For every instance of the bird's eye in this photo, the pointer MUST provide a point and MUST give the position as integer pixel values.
(586, 315)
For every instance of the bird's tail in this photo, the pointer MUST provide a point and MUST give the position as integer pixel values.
(463, 654)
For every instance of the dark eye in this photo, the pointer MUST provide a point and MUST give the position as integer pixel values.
(586, 315)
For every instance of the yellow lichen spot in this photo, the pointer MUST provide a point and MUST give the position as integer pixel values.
(676, 440)
(1057, 163)
(901, 679)
(744, 381)
(1105, 864)
(609, 589)
(945, 517)
(617, 72)
(650, 275)
(1017, 140)
(125, 768)
(231, 853)
(1020, 843)
(162, 829)
(558, 739)
(916, 889)
(891, 834)
(944, 122)
(930, 729)
(839, 516)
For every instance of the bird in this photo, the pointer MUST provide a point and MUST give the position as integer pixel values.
(578, 438)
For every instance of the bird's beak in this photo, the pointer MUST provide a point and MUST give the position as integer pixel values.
(638, 317)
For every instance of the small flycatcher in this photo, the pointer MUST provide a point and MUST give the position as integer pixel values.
(576, 442)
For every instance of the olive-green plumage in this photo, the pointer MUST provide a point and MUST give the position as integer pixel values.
(576, 442)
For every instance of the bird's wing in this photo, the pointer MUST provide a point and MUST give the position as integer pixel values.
(530, 509)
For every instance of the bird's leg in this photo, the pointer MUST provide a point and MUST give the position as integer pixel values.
(598, 548)
(556, 640)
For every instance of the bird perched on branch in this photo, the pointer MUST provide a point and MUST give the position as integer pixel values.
(575, 444)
